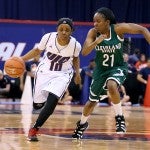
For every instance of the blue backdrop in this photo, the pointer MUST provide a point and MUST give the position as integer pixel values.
(17, 38)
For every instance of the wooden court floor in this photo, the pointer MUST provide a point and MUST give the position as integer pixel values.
(16, 119)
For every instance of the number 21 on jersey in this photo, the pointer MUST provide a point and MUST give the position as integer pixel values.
(108, 59)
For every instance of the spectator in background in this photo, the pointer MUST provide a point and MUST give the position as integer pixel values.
(134, 57)
(131, 84)
(75, 91)
(4, 85)
(31, 68)
(141, 63)
(142, 77)
(131, 67)
(86, 76)
(88, 71)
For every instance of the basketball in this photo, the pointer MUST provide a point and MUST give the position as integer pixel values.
(14, 67)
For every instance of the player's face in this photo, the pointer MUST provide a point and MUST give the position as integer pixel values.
(125, 57)
(100, 23)
(64, 31)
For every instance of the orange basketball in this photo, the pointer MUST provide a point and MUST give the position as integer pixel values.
(14, 67)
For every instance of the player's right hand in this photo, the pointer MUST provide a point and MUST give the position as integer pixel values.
(101, 38)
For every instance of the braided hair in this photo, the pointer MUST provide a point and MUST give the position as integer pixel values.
(107, 14)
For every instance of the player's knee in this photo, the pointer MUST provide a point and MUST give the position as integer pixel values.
(38, 105)
(112, 85)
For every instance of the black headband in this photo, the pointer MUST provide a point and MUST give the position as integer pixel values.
(65, 21)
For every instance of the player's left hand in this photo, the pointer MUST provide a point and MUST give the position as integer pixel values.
(77, 79)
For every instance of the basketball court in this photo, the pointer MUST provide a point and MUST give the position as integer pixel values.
(16, 119)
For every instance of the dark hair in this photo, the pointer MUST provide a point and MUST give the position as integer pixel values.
(107, 14)
(66, 21)
(137, 51)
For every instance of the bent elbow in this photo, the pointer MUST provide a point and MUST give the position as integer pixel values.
(84, 53)
(37, 51)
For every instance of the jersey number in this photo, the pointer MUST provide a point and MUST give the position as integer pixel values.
(55, 66)
(107, 59)
(56, 61)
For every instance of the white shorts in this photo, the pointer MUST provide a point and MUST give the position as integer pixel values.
(55, 82)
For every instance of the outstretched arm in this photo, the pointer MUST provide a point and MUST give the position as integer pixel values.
(140, 78)
(132, 28)
(37, 51)
(6, 89)
(31, 54)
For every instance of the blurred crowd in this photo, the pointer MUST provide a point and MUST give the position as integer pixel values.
(131, 92)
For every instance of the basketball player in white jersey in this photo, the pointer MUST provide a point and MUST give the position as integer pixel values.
(54, 73)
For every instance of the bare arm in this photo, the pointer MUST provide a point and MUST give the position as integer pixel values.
(91, 41)
(31, 54)
(6, 89)
(139, 78)
(76, 65)
(132, 28)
